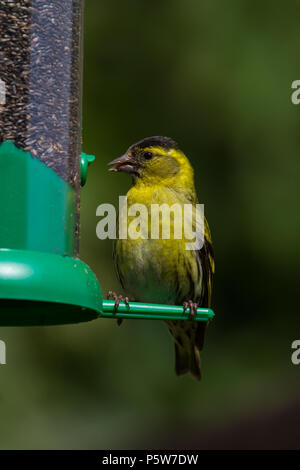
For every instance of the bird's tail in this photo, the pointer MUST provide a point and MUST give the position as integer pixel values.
(187, 360)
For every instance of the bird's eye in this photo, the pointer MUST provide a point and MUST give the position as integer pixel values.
(148, 155)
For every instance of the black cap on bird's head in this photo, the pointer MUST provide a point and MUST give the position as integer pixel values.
(156, 141)
(135, 160)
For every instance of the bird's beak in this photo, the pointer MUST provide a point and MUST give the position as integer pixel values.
(123, 163)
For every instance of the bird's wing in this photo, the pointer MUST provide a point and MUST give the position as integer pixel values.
(189, 336)
(205, 256)
(197, 267)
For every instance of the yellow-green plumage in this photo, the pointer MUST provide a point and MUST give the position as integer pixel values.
(163, 270)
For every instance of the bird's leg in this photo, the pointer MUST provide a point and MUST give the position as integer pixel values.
(193, 308)
(118, 298)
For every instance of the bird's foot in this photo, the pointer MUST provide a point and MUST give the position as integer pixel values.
(117, 298)
(192, 306)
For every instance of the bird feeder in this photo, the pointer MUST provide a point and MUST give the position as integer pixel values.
(42, 279)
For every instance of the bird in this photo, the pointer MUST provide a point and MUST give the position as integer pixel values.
(160, 270)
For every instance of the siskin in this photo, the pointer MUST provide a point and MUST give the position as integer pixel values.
(163, 270)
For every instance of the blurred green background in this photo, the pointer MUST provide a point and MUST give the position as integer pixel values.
(217, 78)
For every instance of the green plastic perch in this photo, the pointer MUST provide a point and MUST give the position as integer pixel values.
(152, 311)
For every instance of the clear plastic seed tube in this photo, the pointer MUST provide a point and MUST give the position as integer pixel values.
(40, 72)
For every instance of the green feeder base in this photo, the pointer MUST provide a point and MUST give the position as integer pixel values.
(39, 288)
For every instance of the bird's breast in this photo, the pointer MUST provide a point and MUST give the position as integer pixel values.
(156, 270)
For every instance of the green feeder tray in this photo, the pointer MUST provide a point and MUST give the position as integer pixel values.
(45, 289)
